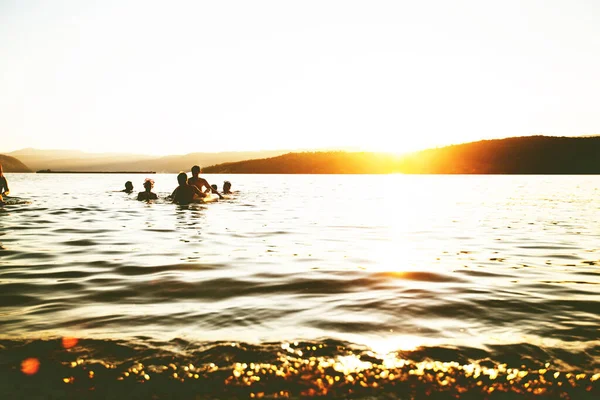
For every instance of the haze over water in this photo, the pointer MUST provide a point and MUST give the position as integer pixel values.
(497, 268)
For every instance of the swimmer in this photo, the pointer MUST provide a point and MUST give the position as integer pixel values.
(186, 193)
(147, 194)
(128, 187)
(226, 187)
(4, 191)
(200, 183)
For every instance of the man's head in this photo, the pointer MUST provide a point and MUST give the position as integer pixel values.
(182, 178)
(195, 170)
(128, 186)
(226, 186)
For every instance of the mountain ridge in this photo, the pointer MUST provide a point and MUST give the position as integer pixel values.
(537, 154)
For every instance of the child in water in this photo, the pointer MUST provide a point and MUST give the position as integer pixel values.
(147, 195)
(227, 187)
(185, 193)
(128, 187)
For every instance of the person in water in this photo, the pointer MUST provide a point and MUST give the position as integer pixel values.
(200, 183)
(226, 187)
(4, 191)
(186, 193)
(147, 194)
(128, 187)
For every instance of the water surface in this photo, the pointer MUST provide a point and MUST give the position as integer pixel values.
(457, 269)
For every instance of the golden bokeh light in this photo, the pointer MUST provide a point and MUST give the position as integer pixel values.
(30, 366)
(68, 342)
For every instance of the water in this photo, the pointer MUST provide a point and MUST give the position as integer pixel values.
(321, 284)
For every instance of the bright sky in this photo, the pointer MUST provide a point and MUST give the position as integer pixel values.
(172, 77)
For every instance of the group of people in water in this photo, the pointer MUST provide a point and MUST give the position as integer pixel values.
(191, 190)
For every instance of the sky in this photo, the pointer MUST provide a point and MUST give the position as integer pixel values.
(176, 77)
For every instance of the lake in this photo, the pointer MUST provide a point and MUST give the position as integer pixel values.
(301, 285)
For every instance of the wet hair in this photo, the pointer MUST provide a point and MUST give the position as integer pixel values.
(148, 184)
(214, 187)
(128, 185)
(195, 169)
(182, 178)
(226, 185)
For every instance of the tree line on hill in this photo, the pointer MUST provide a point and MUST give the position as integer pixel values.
(518, 155)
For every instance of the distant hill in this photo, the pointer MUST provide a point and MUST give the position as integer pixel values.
(72, 160)
(333, 162)
(520, 155)
(11, 164)
(177, 163)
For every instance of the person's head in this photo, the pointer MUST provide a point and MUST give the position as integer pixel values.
(182, 178)
(128, 186)
(195, 170)
(148, 184)
(226, 186)
(213, 187)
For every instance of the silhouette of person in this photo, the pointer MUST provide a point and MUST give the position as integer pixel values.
(186, 193)
(226, 187)
(4, 191)
(128, 187)
(199, 182)
(147, 194)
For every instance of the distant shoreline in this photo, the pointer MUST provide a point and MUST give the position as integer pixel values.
(47, 171)
(527, 155)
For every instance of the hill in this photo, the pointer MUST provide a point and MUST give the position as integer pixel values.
(177, 163)
(334, 162)
(520, 155)
(72, 160)
(11, 164)
(58, 160)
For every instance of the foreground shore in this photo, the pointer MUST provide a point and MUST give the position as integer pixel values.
(68, 368)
